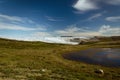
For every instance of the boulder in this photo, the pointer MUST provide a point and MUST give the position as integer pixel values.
(99, 71)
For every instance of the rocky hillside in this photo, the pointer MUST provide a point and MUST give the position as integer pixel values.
(111, 38)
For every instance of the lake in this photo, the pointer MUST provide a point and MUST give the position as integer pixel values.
(100, 56)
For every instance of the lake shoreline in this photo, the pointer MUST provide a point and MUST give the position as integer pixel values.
(87, 56)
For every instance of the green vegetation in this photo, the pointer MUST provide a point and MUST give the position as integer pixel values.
(21, 60)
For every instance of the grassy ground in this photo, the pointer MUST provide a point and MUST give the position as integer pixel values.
(41, 61)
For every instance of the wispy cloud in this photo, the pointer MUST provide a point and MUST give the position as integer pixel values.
(86, 5)
(54, 19)
(109, 31)
(32, 30)
(75, 31)
(5, 26)
(95, 16)
(113, 18)
(41, 34)
(113, 2)
(11, 18)
(14, 19)
(78, 12)
(105, 30)
(18, 23)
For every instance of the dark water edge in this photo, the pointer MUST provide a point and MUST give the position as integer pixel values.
(109, 57)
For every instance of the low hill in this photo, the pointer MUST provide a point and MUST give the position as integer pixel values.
(23, 60)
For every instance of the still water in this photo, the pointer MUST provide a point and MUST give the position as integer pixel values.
(100, 56)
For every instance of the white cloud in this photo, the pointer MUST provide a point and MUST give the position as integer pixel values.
(109, 31)
(105, 30)
(70, 30)
(58, 40)
(42, 34)
(77, 32)
(84, 5)
(113, 18)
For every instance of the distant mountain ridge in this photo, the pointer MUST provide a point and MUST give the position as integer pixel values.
(111, 38)
(74, 40)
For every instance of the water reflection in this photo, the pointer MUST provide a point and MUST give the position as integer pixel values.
(101, 56)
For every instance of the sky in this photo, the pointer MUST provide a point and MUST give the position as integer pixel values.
(37, 19)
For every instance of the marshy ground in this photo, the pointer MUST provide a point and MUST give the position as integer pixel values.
(21, 60)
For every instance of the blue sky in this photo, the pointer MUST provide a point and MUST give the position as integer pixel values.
(36, 19)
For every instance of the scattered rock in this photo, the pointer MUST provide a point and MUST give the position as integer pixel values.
(99, 71)
(43, 70)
